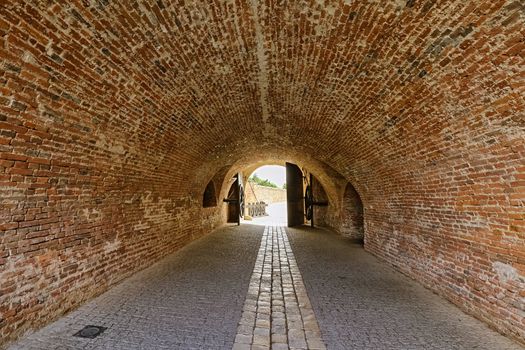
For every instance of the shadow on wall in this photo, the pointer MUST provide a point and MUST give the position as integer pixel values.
(352, 219)
(209, 199)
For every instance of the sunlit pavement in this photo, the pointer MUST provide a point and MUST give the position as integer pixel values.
(276, 216)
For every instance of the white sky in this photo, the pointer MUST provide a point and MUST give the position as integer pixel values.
(274, 173)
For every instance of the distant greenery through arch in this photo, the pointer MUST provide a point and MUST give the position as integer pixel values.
(263, 182)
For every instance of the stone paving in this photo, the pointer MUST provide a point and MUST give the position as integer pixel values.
(242, 288)
(362, 303)
(192, 299)
(277, 216)
(277, 313)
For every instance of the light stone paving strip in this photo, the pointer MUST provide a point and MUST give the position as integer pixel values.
(277, 313)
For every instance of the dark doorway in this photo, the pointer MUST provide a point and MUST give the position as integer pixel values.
(209, 198)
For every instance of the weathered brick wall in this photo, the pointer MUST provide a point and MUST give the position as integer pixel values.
(86, 197)
(458, 228)
(323, 215)
(257, 193)
(351, 222)
(115, 115)
(66, 238)
(346, 217)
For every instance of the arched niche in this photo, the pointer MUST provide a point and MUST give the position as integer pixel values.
(352, 214)
(209, 197)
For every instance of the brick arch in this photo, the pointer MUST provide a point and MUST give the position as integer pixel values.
(329, 178)
(110, 133)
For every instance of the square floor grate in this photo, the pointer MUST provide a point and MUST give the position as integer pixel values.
(90, 332)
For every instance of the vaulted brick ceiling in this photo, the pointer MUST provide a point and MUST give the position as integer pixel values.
(116, 114)
(365, 86)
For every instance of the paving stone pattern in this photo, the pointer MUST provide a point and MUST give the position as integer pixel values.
(191, 300)
(232, 289)
(362, 303)
(277, 313)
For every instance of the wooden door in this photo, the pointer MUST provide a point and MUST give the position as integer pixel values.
(294, 195)
(235, 200)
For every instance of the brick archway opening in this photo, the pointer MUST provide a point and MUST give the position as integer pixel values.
(328, 184)
(265, 191)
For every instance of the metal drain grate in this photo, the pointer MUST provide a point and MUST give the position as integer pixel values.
(90, 332)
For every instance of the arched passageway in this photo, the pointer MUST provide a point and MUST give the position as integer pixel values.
(266, 195)
(115, 117)
(209, 197)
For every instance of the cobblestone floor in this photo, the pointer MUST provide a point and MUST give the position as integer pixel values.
(241, 287)
(193, 299)
(277, 313)
(362, 303)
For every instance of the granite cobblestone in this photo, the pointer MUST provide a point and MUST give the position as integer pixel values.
(277, 313)
(362, 303)
(192, 299)
(244, 288)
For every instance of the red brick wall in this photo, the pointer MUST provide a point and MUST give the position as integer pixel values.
(457, 227)
(114, 117)
(67, 237)
(351, 223)
(322, 214)
(348, 219)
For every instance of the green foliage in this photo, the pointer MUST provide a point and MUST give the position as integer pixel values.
(262, 182)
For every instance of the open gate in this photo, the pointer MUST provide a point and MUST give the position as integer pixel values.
(300, 206)
(235, 200)
(294, 195)
(310, 202)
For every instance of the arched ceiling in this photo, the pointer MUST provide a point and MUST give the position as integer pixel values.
(115, 114)
(374, 89)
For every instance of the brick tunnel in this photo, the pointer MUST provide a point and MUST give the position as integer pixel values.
(123, 123)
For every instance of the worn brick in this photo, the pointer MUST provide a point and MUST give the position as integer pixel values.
(132, 110)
